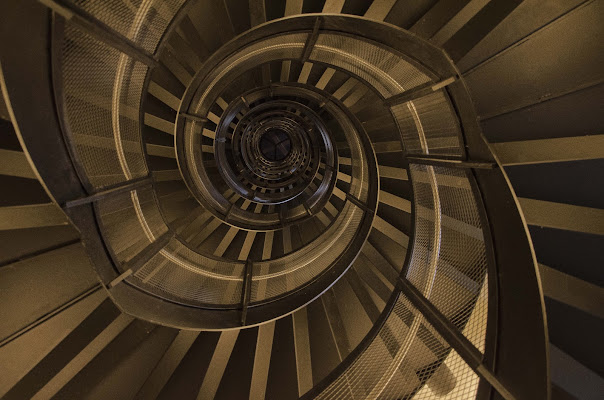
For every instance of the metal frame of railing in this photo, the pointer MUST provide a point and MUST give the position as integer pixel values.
(515, 361)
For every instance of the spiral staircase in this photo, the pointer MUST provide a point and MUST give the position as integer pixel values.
(301, 199)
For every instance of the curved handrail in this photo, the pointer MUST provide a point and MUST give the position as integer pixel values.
(505, 228)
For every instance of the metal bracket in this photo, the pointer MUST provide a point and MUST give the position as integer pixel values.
(193, 117)
(444, 162)
(246, 290)
(419, 91)
(310, 42)
(124, 187)
(139, 260)
(358, 203)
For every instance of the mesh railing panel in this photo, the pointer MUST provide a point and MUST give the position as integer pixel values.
(388, 73)
(177, 273)
(427, 234)
(407, 359)
(273, 278)
(142, 21)
(428, 125)
(101, 94)
(287, 46)
(129, 220)
(450, 270)
(359, 185)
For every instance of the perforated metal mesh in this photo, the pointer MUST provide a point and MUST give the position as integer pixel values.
(179, 274)
(407, 359)
(427, 234)
(273, 278)
(428, 125)
(142, 21)
(288, 46)
(130, 222)
(359, 185)
(101, 95)
(450, 268)
(388, 73)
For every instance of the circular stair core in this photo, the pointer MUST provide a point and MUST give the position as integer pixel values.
(275, 145)
(279, 186)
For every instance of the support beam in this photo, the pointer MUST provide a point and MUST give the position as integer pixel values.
(393, 173)
(359, 203)
(268, 245)
(193, 117)
(395, 201)
(159, 123)
(325, 78)
(573, 291)
(206, 232)
(419, 91)
(218, 364)
(139, 260)
(333, 6)
(167, 365)
(80, 361)
(305, 72)
(550, 150)
(572, 376)
(302, 351)
(164, 95)
(226, 240)
(100, 295)
(336, 324)
(379, 9)
(293, 7)
(390, 231)
(345, 88)
(387, 147)
(14, 163)
(121, 188)
(167, 175)
(444, 162)
(563, 216)
(31, 216)
(458, 21)
(310, 42)
(257, 12)
(160, 151)
(250, 236)
(262, 361)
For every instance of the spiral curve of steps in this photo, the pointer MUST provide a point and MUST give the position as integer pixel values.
(269, 199)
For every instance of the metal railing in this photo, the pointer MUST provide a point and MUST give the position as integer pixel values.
(486, 339)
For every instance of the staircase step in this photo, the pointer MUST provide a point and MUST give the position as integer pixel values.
(24, 285)
(160, 378)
